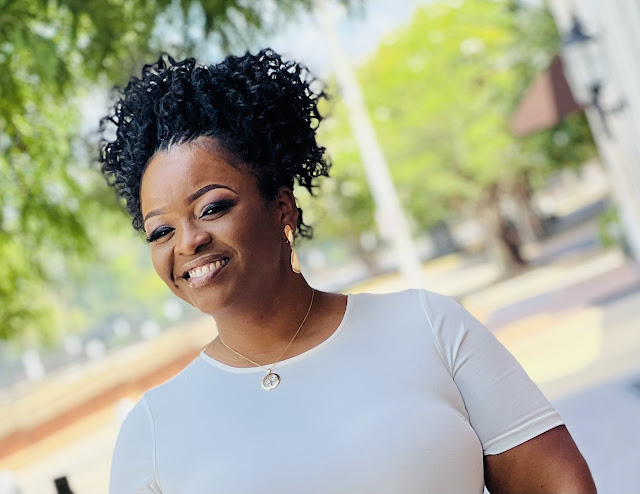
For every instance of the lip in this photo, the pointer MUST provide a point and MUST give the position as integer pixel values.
(201, 261)
(205, 279)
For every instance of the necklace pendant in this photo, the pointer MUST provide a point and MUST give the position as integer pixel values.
(270, 381)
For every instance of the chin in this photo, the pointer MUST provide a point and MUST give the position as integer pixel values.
(212, 300)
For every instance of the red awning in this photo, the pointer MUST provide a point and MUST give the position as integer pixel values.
(547, 101)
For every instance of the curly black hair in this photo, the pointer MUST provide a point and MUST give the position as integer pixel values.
(260, 108)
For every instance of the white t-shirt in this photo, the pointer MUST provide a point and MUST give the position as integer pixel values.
(405, 397)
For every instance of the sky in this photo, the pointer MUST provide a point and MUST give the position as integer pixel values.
(360, 35)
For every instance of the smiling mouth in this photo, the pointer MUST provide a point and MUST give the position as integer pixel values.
(202, 274)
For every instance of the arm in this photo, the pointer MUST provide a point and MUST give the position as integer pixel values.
(527, 449)
(548, 463)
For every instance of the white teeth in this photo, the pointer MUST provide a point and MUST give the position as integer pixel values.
(207, 268)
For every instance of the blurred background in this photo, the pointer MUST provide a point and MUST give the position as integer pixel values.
(484, 149)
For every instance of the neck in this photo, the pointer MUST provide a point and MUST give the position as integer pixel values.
(264, 326)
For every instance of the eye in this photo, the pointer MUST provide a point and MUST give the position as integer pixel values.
(163, 231)
(216, 207)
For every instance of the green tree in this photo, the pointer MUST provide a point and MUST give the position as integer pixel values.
(52, 54)
(441, 93)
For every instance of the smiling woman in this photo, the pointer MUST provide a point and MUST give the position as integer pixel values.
(397, 393)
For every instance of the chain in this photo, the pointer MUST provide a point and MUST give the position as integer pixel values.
(269, 369)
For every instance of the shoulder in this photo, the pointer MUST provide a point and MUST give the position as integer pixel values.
(419, 313)
(412, 312)
(442, 310)
(184, 383)
(423, 302)
(386, 301)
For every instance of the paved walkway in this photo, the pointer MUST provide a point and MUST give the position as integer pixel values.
(605, 423)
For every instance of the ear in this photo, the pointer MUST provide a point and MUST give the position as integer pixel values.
(287, 208)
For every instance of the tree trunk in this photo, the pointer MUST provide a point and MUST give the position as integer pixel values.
(529, 223)
(366, 255)
(503, 240)
(443, 241)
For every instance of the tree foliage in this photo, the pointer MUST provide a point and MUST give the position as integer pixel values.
(441, 93)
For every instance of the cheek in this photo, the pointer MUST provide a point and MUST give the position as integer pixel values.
(162, 266)
(254, 231)
(156, 260)
(265, 238)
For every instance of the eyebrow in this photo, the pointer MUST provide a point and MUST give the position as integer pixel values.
(193, 197)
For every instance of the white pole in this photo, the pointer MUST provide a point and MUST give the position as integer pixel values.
(390, 218)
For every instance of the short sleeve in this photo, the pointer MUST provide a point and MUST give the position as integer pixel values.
(504, 405)
(133, 462)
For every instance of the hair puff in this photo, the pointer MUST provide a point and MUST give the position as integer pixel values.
(260, 108)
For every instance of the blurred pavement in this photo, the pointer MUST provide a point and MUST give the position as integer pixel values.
(605, 423)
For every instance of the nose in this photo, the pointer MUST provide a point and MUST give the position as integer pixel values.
(191, 239)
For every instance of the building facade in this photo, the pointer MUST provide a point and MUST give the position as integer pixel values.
(609, 88)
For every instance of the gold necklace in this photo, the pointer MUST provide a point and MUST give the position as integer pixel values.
(271, 380)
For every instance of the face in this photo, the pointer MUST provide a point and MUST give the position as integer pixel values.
(214, 240)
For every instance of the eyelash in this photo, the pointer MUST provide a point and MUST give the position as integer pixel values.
(209, 209)
(216, 207)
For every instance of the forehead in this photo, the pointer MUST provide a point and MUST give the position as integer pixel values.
(184, 168)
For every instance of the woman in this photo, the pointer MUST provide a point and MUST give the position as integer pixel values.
(302, 391)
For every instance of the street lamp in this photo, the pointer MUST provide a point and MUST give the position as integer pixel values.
(586, 69)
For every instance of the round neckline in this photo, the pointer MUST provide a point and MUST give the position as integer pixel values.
(288, 361)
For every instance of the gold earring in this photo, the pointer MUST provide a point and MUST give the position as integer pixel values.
(295, 263)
